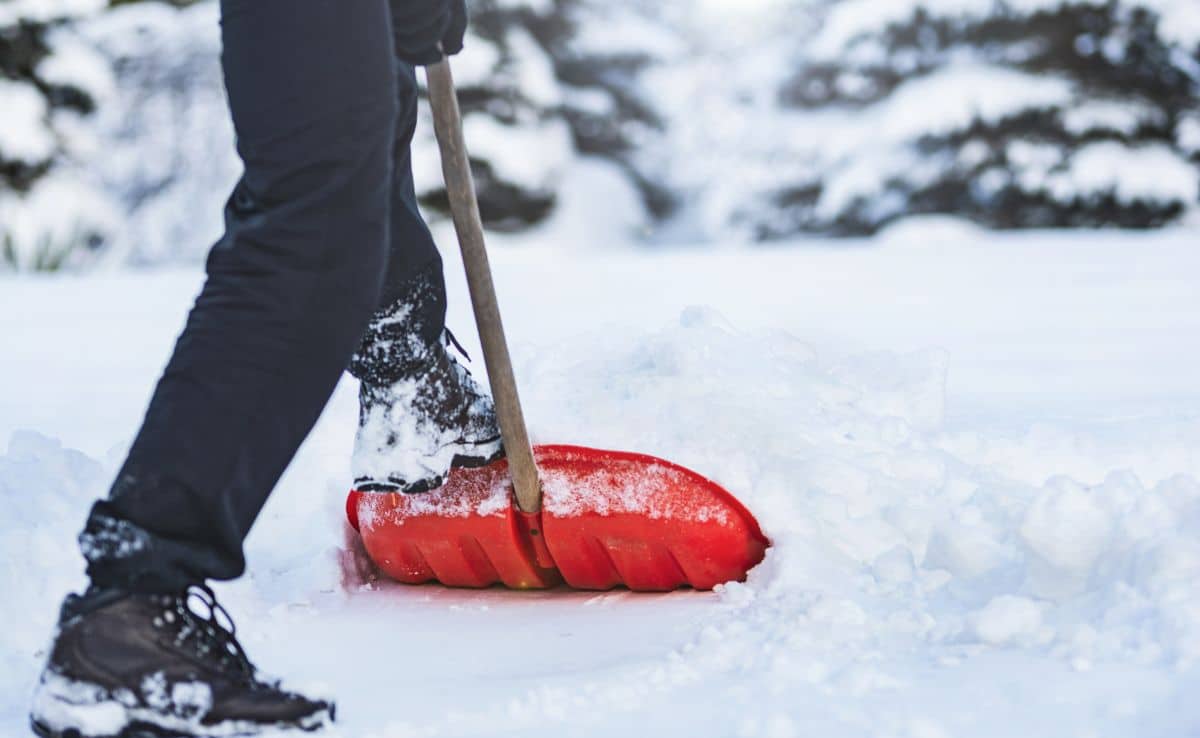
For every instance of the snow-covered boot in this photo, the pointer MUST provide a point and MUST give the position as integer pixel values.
(412, 431)
(127, 665)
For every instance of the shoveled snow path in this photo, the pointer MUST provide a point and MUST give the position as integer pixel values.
(977, 456)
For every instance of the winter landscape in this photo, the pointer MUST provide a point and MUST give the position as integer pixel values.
(918, 281)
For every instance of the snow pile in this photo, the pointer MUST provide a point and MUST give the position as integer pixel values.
(906, 578)
(873, 516)
(47, 491)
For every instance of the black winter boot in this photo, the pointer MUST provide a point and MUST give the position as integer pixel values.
(420, 411)
(127, 665)
(412, 431)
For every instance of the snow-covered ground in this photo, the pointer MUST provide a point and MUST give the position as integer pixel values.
(977, 457)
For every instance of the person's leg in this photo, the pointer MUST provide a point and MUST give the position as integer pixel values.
(420, 411)
(412, 305)
(290, 289)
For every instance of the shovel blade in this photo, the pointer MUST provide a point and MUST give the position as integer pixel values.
(609, 519)
(467, 533)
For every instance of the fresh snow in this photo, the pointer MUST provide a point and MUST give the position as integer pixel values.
(976, 456)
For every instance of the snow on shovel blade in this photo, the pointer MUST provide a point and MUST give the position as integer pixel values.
(613, 518)
(609, 518)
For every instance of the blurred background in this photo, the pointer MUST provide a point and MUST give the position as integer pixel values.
(613, 122)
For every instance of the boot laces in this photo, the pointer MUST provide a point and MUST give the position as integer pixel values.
(452, 341)
(209, 631)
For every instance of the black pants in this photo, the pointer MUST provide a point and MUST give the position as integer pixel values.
(322, 233)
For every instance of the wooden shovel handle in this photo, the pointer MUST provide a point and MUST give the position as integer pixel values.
(460, 187)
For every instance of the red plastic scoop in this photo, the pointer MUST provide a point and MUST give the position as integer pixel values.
(594, 519)
(608, 518)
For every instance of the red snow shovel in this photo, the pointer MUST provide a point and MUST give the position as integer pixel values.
(547, 514)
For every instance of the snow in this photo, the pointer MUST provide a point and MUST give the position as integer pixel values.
(13, 11)
(24, 136)
(730, 149)
(476, 62)
(750, 156)
(1008, 619)
(529, 156)
(72, 61)
(1066, 530)
(1152, 172)
(975, 454)
(168, 156)
(623, 28)
(857, 19)
(56, 221)
(1111, 115)
(936, 104)
(397, 442)
(1188, 134)
(533, 73)
(727, 136)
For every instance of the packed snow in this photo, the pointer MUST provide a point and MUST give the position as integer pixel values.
(977, 458)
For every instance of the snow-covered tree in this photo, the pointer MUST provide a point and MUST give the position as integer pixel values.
(512, 115)
(536, 93)
(169, 153)
(52, 212)
(755, 120)
(528, 103)
(1015, 113)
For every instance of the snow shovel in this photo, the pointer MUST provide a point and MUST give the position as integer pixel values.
(547, 514)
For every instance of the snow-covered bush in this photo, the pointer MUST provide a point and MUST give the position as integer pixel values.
(1015, 113)
(52, 212)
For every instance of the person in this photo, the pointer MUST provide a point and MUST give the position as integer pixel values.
(325, 264)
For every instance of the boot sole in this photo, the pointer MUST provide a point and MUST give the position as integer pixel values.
(136, 726)
(459, 461)
(133, 730)
(150, 730)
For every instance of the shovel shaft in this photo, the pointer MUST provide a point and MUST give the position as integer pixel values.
(464, 208)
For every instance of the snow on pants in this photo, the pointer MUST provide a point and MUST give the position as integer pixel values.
(322, 233)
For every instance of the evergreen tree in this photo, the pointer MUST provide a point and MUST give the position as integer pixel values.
(1039, 113)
